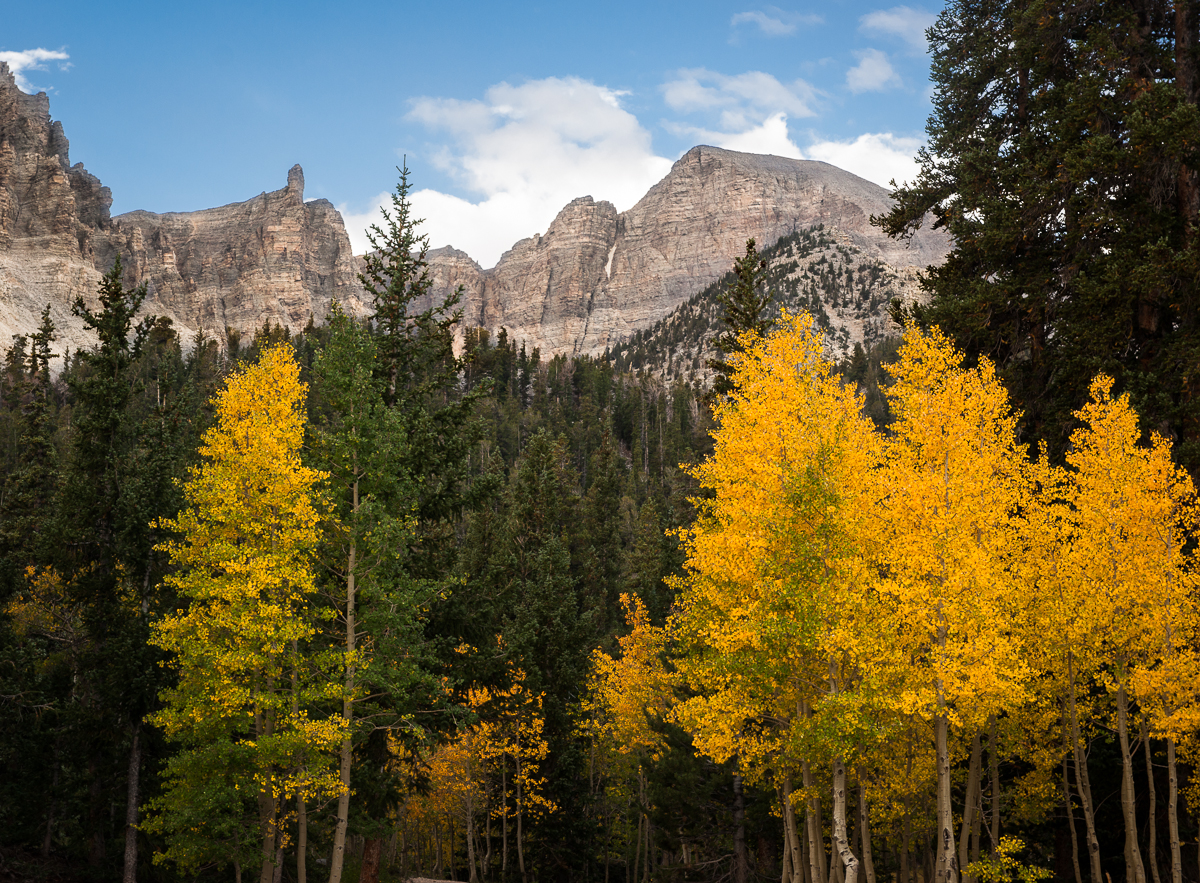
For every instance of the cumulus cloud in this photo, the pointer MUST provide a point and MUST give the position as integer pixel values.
(32, 60)
(774, 22)
(900, 21)
(873, 73)
(742, 100)
(771, 136)
(523, 152)
(880, 157)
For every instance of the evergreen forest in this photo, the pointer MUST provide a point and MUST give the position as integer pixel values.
(747, 598)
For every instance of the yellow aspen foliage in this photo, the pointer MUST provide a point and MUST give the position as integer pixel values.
(627, 692)
(1134, 515)
(247, 677)
(955, 482)
(769, 566)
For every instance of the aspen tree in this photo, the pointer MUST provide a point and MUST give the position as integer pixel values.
(771, 571)
(244, 558)
(1134, 513)
(954, 481)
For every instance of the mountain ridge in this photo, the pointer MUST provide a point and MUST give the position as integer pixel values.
(591, 280)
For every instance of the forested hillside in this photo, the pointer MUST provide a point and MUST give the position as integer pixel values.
(768, 592)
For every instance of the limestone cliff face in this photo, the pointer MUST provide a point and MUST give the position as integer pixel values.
(590, 281)
(272, 258)
(597, 276)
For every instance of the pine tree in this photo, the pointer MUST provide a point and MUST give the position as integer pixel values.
(1061, 161)
(744, 303)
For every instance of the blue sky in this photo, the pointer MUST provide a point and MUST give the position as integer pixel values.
(505, 111)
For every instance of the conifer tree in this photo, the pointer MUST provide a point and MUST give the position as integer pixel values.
(1061, 161)
(744, 303)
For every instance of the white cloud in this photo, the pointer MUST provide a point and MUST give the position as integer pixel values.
(743, 100)
(873, 73)
(900, 21)
(526, 151)
(774, 22)
(879, 157)
(32, 60)
(769, 137)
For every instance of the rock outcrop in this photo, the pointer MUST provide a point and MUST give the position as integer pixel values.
(272, 258)
(590, 281)
(597, 276)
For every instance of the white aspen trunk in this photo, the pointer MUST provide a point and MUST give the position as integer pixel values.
(268, 807)
(1081, 778)
(816, 844)
(1173, 813)
(1148, 753)
(345, 753)
(520, 823)
(1071, 824)
(301, 841)
(472, 877)
(947, 862)
(131, 806)
(1135, 872)
(864, 824)
(791, 836)
(972, 798)
(994, 769)
(849, 862)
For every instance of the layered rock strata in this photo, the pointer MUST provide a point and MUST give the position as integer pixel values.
(272, 258)
(597, 275)
(594, 277)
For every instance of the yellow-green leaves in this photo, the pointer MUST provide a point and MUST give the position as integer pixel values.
(243, 557)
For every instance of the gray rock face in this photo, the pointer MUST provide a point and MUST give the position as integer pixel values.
(597, 276)
(272, 258)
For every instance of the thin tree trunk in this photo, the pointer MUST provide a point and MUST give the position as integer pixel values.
(864, 824)
(1173, 813)
(131, 806)
(1148, 752)
(346, 752)
(520, 825)
(792, 838)
(741, 867)
(472, 877)
(1081, 779)
(947, 861)
(841, 845)
(277, 873)
(785, 875)
(994, 769)
(905, 842)
(301, 841)
(1135, 871)
(972, 798)
(1071, 824)
(812, 824)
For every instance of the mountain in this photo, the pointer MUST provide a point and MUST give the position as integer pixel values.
(272, 258)
(597, 276)
(589, 283)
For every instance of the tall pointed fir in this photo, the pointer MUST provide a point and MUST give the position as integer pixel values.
(1061, 160)
(744, 302)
